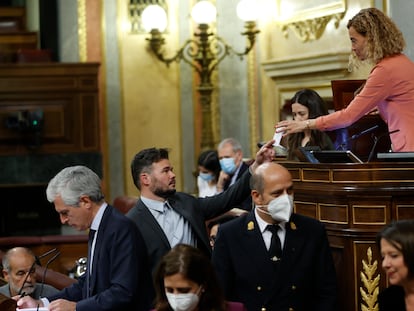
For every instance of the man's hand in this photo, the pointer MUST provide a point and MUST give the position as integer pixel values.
(62, 305)
(27, 302)
(265, 154)
(223, 178)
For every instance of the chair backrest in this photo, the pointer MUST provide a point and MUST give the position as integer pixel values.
(33, 56)
(124, 203)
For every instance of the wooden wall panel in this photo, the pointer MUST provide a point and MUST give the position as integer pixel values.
(354, 201)
(68, 96)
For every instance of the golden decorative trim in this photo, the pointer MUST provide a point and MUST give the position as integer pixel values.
(83, 55)
(354, 207)
(311, 29)
(337, 222)
(215, 108)
(308, 20)
(252, 104)
(370, 289)
(333, 172)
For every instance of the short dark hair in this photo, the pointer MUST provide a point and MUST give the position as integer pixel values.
(194, 265)
(257, 182)
(210, 161)
(400, 234)
(143, 160)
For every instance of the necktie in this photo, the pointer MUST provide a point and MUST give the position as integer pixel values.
(90, 259)
(168, 223)
(275, 249)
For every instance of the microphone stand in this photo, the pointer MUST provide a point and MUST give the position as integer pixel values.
(44, 272)
(376, 140)
(357, 135)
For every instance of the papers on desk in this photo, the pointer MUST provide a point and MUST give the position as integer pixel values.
(33, 309)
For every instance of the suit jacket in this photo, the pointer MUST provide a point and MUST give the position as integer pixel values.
(119, 270)
(195, 210)
(247, 202)
(305, 278)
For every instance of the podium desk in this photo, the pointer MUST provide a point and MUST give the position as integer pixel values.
(355, 201)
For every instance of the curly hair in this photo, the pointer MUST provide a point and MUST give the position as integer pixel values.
(384, 39)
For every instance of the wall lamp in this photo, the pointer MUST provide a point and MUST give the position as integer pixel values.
(204, 52)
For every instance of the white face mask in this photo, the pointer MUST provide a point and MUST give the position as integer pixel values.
(182, 302)
(280, 209)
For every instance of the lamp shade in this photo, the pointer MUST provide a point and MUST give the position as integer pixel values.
(247, 10)
(204, 12)
(154, 17)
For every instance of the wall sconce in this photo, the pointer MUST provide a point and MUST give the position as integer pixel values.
(204, 52)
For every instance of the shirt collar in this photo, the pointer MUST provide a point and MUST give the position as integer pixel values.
(98, 217)
(154, 204)
(263, 224)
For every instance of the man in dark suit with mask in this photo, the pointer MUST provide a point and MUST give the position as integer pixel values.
(271, 258)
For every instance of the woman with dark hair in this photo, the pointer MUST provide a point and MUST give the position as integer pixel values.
(209, 172)
(396, 243)
(307, 104)
(185, 281)
(389, 89)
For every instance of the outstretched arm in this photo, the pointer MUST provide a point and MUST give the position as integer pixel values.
(265, 154)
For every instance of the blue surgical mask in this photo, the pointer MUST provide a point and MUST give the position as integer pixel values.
(228, 165)
(206, 176)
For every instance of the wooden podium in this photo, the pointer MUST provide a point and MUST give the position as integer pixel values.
(355, 201)
(7, 304)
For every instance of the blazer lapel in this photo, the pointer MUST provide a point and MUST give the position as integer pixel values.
(98, 245)
(147, 224)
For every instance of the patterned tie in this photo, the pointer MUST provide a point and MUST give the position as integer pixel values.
(90, 241)
(275, 249)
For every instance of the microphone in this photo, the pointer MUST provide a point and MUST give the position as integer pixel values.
(37, 258)
(44, 272)
(376, 140)
(37, 261)
(357, 135)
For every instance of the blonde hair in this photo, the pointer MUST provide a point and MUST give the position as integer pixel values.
(384, 39)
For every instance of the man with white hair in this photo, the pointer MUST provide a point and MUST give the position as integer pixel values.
(19, 271)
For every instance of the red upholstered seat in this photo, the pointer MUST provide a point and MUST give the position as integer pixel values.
(124, 203)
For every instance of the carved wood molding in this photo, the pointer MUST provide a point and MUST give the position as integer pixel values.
(311, 29)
